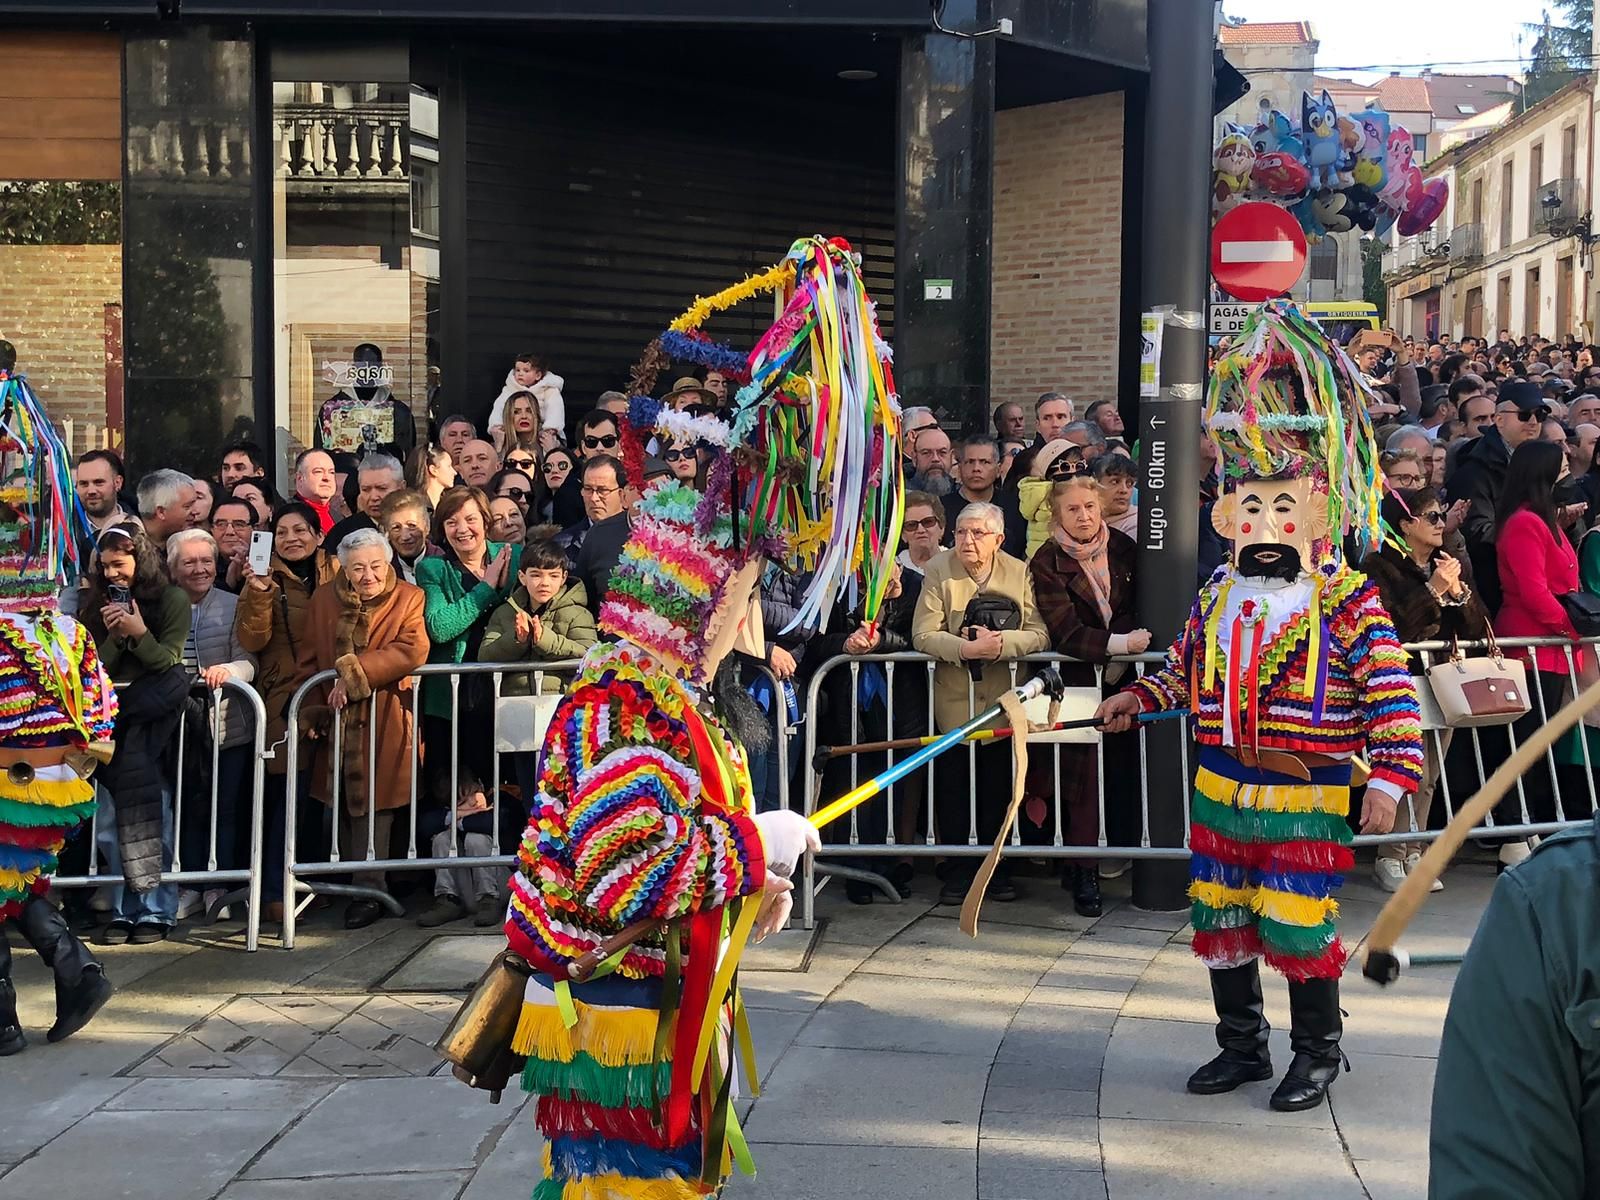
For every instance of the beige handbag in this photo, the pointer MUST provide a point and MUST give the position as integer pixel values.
(1479, 691)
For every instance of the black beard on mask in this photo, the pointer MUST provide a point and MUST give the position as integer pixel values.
(1269, 560)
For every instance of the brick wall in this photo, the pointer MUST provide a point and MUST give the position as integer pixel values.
(1057, 251)
(53, 308)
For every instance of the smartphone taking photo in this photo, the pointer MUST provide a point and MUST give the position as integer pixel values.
(260, 552)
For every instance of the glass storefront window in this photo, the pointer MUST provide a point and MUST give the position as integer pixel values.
(356, 265)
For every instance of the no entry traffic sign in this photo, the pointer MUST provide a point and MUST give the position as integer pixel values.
(1257, 252)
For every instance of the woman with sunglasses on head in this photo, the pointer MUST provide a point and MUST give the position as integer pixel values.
(1428, 592)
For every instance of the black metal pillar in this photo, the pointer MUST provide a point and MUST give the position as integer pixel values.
(1175, 231)
(944, 223)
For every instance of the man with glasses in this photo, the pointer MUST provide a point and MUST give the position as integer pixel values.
(232, 522)
(598, 547)
(932, 460)
(914, 422)
(597, 435)
(1519, 416)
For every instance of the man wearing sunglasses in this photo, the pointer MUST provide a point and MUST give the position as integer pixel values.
(1480, 473)
(598, 434)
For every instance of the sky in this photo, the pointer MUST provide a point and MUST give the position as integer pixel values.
(1406, 35)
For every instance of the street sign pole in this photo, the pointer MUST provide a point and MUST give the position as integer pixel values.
(1177, 173)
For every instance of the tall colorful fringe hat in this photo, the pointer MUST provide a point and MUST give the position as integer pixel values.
(40, 517)
(808, 473)
(1286, 401)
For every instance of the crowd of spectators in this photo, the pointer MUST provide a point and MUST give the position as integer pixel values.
(498, 548)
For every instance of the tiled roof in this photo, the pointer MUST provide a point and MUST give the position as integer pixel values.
(1404, 93)
(1267, 33)
(1451, 94)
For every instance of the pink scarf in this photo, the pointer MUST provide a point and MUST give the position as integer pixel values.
(1093, 562)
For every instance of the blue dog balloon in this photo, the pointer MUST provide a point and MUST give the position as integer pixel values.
(1319, 126)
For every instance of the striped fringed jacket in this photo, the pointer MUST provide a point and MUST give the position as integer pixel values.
(643, 812)
(1364, 703)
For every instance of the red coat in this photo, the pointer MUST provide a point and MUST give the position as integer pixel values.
(1536, 566)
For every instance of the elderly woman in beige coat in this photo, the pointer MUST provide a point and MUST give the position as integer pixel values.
(944, 629)
(366, 625)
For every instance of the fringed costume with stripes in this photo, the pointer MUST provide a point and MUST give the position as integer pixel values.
(642, 813)
(1315, 667)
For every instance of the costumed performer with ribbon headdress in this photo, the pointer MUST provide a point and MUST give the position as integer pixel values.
(57, 708)
(645, 868)
(1291, 667)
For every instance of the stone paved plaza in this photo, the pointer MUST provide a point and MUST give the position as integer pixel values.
(900, 1060)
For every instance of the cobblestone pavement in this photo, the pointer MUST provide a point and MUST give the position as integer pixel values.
(900, 1061)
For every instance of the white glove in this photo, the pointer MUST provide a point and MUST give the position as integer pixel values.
(785, 836)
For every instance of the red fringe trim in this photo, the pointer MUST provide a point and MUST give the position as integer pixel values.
(1327, 965)
(1227, 945)
(556, 1116)
(1211, 844)
(33, 837)
(1325, 858)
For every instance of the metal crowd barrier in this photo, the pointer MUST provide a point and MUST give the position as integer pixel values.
(928, 845)
(304, 877)
(246, 880)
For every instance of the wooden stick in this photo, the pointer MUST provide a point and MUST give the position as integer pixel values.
(1382, 964)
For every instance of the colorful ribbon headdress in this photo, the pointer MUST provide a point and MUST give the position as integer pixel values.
(40, 516)
(1286, 400)
(808, 473)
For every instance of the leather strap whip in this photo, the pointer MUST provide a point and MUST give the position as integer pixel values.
(1012, 704)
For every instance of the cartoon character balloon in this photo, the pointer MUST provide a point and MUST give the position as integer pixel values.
(1234, 158)
(1319, 126)
(1333, 173)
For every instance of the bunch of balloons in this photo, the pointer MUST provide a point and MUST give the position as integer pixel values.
(1335, 172)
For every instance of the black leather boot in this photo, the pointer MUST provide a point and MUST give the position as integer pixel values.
(1241, 1032)
(1314, 1031)
(1084, 884)
(11, 1039)
(81, 984)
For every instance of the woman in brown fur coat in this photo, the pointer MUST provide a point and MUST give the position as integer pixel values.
(366, 625)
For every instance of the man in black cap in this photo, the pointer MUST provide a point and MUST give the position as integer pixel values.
(1480, 473)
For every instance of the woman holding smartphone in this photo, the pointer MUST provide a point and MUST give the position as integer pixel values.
(140, 623)
(271, 624)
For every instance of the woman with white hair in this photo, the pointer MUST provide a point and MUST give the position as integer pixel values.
(976, 610)
(367, 626)
(213, 655)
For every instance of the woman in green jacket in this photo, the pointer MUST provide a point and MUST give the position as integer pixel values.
(461, 590)
(547, 619)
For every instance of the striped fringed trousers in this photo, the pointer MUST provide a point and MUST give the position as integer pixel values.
(1268, 852)
(602, 1089)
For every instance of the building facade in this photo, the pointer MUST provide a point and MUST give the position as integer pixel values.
(211, 204)
(1510, 252)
